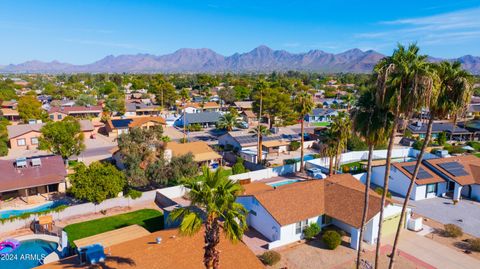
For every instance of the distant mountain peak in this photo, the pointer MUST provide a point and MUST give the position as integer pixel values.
(259, 59)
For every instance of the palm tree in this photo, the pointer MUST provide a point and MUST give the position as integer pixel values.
(450, 95)
(215, 194)
(303, 105)
(369, 123)
(227, 122)
(349, 99)
(341, 126)
(260, 131)
(329, 148)
(399, 78)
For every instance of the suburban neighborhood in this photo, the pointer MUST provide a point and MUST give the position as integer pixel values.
(263, 159)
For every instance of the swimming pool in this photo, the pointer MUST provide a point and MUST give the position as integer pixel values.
(283, 182)
(28, 255)
(5, 214)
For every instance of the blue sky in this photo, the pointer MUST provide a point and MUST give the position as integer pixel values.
(81, 32)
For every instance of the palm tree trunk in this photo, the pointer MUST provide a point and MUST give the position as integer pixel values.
(259, 150)
(212, 238)
(410, 188)
(301, 147)
(365, 205)
(330, 166)
(337, 158)
(385, 184)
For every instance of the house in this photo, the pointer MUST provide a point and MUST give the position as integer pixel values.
(116, 127)
(138, 108)
(59, 113)
(281, 211)
(25, 136)
(199, 107)
(24, 177)
(321, 115)
(10, 114)
(244, 105)
(454, 132)
(241, 140)
(428, 184)
(166, 249)
(249, 117)
(332, 102)
(461, 173)
(12, 104)
(202, 153)
(205, 119)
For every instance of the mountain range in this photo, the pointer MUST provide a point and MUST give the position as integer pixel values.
(260, 59)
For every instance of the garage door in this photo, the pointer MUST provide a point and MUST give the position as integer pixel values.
(390, 225)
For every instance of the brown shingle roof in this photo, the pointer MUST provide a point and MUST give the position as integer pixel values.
(470, 163)
(434, 179)
(175, 251)
(142, 120)
(76, 109)
(20, 129)
(52, 170)
(199, 149)
(339, 196)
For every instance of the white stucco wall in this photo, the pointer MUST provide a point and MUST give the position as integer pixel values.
(263, 222)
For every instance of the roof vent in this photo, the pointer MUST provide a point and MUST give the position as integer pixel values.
(419, 124)
(36, 162)
(21, 162)
(159, 240)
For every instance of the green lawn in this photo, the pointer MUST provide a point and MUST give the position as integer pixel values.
(477, 154)
(150, 219)
(321, 124)
(351, 165)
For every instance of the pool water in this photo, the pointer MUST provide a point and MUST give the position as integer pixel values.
(11, 213)
(28, 255)
(283, 182)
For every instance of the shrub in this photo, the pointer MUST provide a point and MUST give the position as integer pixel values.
(452, 230)
(270, 257)
(379, 190)
(332, 239)
(238, 167)
(311, 231)
(290, 161)
(355, 143)
(294, 145)
(134, 194)
(475, 244)
(474, 144)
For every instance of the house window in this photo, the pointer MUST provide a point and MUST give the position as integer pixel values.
(21, 142)
(59, 117)
(326, 220)
(300, 226)
(253, 212)
(34, 140)
(52, 117)
(431, 188)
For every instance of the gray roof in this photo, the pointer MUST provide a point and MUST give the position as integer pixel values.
(317, 112)
(132, 107)
(202, 117)
(249, 139)
(437, 127)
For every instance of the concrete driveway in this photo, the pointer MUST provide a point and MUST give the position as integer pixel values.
(465, 214)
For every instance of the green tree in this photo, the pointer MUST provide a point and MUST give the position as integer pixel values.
(85, 100)
(228, 95)
(227, 122)
(216, 195)
(171, 173)
(341, 127)
(97, 182)
(238, 167)
(442, 138)
(64, 137)
(449, 92)
(260, 131)
(303, 106)
(29, 108)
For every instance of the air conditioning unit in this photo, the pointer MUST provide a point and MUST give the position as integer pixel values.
(21, 162)
(36, 162)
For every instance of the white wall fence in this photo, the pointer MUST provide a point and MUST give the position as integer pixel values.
(81, 209)
(267, 172)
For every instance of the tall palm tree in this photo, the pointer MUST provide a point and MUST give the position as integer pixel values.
(450, 96)
(372, 124)
(215, 194)
(303, 106)
(341, 126)
(227, 122)
(399, 78)
(329, 148)
(260, 131)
